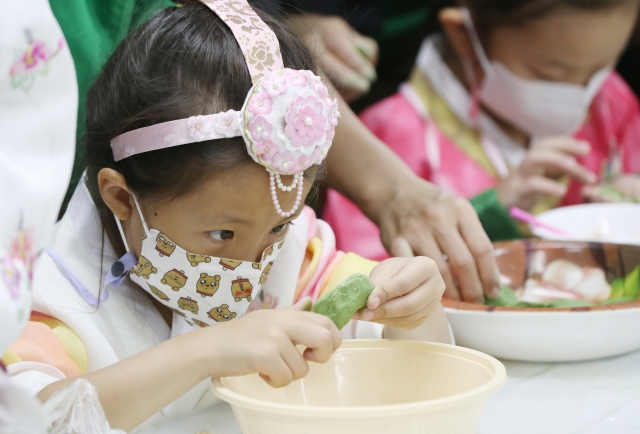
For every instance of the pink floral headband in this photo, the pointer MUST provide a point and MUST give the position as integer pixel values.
(287, 121)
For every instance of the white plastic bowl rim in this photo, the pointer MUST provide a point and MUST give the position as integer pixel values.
(542, 313)
(564, 217)
(482, 392)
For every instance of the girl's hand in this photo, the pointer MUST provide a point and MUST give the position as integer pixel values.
(623, 188)
(407, 291)
(265, 342)
(546, 161)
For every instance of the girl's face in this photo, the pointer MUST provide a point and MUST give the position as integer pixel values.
(231, 215)
(568, 45)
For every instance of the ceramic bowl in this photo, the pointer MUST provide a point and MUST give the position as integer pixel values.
(611, 222)
(549, 334)
(372, 386)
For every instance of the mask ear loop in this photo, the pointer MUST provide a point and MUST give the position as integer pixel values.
(475, 39)
(474, 109)
(124, 239)
(144, 223)
(119, 224)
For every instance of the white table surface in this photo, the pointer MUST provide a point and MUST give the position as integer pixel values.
(598, 397)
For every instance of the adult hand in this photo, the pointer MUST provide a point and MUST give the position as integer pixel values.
(548, 160)
(347, 57)
(414, 216)
(427, 221)
(408, 291)
(265, 341)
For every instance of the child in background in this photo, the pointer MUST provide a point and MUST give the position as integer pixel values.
(516, 105)
(186, 204)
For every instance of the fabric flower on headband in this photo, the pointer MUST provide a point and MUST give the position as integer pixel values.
(289, 112)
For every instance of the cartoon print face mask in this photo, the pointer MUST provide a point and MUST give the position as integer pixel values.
(203, 289)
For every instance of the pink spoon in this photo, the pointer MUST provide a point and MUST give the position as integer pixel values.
(524, 216)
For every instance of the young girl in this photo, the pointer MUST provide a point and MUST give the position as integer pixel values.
(209, 223)
(516, 106)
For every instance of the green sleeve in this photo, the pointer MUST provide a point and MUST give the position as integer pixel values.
(494, 217)
(93, 29)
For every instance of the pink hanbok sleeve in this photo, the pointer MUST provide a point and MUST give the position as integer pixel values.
(613, 122)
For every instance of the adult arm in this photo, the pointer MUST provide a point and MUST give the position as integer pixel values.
(414, 216)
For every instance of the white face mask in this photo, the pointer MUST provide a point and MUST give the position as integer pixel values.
(539, 108)
(203, 289)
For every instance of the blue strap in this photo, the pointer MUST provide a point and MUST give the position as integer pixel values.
(118, 272)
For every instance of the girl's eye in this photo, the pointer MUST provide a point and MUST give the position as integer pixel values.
(279, 228)
(221, 235)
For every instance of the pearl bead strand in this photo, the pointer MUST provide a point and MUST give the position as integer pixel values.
(298, 180)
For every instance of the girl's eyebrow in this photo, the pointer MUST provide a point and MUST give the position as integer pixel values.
(208, 219)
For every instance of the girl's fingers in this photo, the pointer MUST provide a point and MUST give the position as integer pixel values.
(296, 363)
(410, 321)
(405, 279)
(321, 339)
(545, 160)
(275, 371)
(567, 145)
(303, 305)
(408, 304)
(539, 185)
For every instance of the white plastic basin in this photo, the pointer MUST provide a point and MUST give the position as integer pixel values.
(372, 386)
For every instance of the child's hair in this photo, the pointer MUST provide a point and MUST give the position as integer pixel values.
(488, 14)
(184, 62)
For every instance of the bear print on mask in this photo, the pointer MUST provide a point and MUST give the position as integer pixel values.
(194, 259)
(257, 265)
(207, 285)
(161, 295)
(241, 288)
(267, 252)
(185, 303)
(221, 314)
(229, 264)
(281, 244)
(175, 279)
(144, 268)
(200, 323)
(265, 272)
(164, 245)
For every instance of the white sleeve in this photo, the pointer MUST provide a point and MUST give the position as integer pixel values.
(34, 376)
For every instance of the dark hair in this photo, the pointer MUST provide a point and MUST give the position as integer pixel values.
(488, 14)
(183, 62)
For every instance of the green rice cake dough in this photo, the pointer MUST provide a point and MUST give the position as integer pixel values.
(345, 300)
